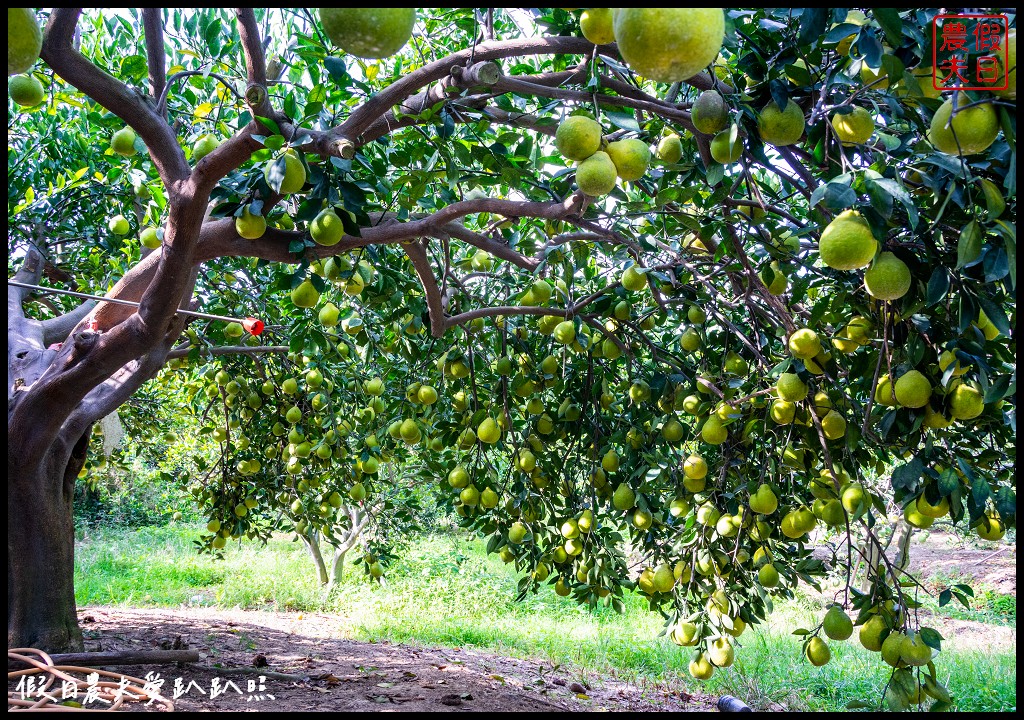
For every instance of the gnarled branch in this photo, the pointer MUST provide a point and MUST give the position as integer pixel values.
(59, 53)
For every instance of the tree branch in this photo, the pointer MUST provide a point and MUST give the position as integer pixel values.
(56, 330)
(29, 273)
(448, 88)
(59, 53)
(364, 116)
(230, 350)
(27, 356)
(152, 22)
(219, 238)
(417, 253)
(657, 107)
(255, 63)
(494, 247)
(249, 33)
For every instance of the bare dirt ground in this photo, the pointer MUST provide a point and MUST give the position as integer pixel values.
(332, 674)
(994, 568)
(941, 559)
(308, 667)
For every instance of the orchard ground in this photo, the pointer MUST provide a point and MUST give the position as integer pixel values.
(444, 631)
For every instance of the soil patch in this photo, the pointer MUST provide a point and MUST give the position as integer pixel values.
(337, 674)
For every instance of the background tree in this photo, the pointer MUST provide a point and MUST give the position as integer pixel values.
(795, 310)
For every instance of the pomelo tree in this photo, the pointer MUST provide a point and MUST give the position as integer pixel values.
(507, 262)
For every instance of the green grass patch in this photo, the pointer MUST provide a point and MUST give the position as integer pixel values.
(447, 591)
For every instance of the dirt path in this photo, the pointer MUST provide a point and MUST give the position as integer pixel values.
(942, 558)
(344, 675)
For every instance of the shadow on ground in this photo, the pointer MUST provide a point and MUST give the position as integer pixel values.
(335, 674)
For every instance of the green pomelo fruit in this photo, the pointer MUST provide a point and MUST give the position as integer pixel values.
(578, 137)
(669, 44)
(123, 142)
(709, 112)
(967, 401)
(781, 127)
(150, 238)
(203, 146)
(326, 228)
(596, 25)
(596, 175)
(847, 242)
(670, 149)
(24, 40)
(25, 90)
(971, 131)
(854, 128)
(372, 33)
(250, 226)
(724, 151)
(286, 173)
(888, 278)
(305, 295)
(631, 158)
(913, 389)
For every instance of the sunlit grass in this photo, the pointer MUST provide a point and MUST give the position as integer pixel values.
(447, 591)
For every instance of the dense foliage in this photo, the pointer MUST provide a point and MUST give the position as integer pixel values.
(668, 383)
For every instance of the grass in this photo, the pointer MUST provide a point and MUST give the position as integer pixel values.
(988, 606)
(447, 591)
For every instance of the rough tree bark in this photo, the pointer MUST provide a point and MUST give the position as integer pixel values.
(41, 610)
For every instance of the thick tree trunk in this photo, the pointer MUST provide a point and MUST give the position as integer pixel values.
(41, 610)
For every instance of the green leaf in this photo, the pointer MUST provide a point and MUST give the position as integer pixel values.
(995, 264)
(968, 312)
(799, 75)
(905, 477)
(338, 71)
(891, 24)
(841, 32)
(780, 93)
(869, 46)
(949, 482)
(268, 123)
(839, 196)
(813, 22)
(1009, 233)
(964, 589)
(938, 286)
(622, 120)
(931, 638)
(881, 197)
(715, 174)
(995, 314)
(896, 698)
(994, 202)
(134, 66)
(980, 491)
(1006, 503)
(214, 35)
(969, 246)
